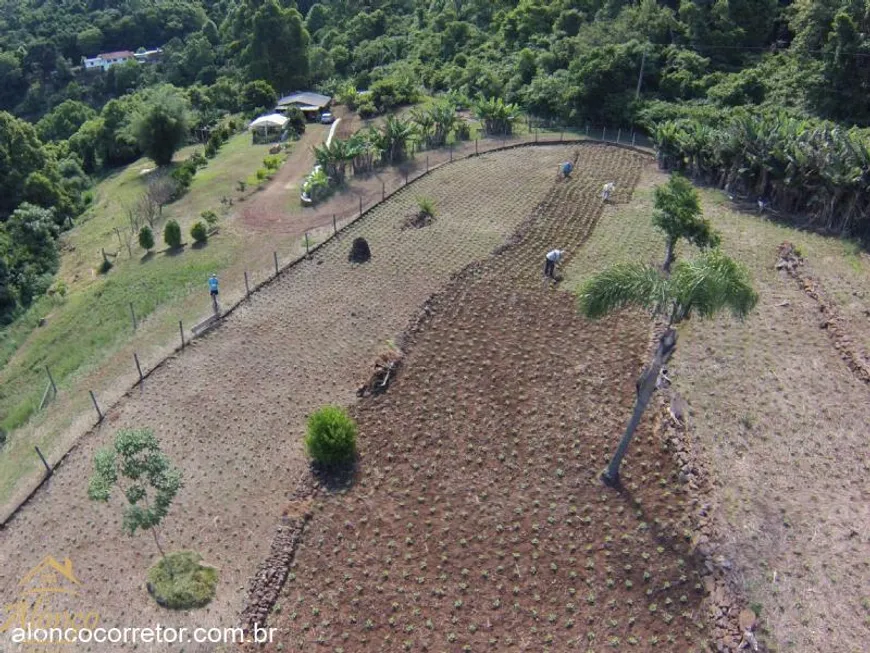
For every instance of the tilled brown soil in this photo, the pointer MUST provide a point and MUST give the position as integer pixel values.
(476, 520)
(230, 410)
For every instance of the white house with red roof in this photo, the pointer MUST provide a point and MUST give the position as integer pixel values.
(106, 60)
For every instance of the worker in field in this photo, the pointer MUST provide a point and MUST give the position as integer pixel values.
(553, 257)
(566, 169)
(213, 289)
(608, 189)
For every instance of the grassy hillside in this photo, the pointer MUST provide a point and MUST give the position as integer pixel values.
(94, 317)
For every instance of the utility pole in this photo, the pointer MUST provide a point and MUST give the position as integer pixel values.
(640, 74)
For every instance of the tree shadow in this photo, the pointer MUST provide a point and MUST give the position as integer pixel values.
(199, 245)
(335, 479)
(147, 256)
(174, 251)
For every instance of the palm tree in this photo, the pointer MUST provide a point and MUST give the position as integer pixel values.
(678, 214)
(710, 283)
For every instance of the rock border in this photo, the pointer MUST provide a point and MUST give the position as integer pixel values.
(790, 259)
(731, 624)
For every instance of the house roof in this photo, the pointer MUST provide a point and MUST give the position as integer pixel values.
(306, 98)
(271, 120)
(116, 55)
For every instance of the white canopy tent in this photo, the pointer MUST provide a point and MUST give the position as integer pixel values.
(267, 129)
(274, 120)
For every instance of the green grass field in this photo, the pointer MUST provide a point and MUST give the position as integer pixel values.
(94, 317)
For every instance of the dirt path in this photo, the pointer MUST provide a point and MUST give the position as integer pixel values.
(276, 209)
(270, 208)
(230, 410)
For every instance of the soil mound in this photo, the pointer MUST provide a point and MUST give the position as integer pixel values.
(788, 257)
(418, 220)
(385, 369)
(359, 251)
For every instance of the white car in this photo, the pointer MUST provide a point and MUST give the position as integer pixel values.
(326, 118)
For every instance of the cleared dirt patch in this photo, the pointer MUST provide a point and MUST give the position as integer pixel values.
(477, 520)
(230, 410)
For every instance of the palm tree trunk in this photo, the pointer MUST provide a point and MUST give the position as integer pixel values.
(646, 385)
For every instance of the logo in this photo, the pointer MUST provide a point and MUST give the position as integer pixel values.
(48, 598)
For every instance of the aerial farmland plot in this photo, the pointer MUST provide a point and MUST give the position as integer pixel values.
(474, 517)
(230, 410)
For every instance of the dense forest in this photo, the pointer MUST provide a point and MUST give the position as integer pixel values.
(766, 97)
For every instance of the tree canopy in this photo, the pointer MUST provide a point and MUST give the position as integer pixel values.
(765, 99)
(161, 125)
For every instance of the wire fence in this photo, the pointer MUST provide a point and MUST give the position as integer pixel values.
(361, 195)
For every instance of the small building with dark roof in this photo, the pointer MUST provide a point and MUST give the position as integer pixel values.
(310, 104)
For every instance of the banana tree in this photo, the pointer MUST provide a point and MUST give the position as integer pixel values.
(704, 286)
(394, 138)
(444, 121)
(498, 116)
(334, 158)
(363, 150)
(424, 123)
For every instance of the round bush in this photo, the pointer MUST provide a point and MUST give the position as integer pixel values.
(172, 234)
(146, 238)
(179, 581)
(331, 437)
(199, 233)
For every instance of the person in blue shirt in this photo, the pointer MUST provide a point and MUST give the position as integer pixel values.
(213, 288)
(567, 167)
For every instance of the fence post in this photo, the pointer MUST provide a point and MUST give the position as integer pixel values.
(48, 470)
(334, 227)
(97, 407)
(618, 134)
(536, 135)
(406, 177)
(633, 136)
(451, 153)
(275, 256)
(562, 135)
(360, 205)
(306, 244)
(587, 130)
(475, 146)
(133, 315)
(383, 191)
(181, 331)
(604, 133)
(51, 380)
(427, 163)
(138, 367)
(247, 286)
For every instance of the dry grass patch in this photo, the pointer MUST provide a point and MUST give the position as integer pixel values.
(782, 419)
